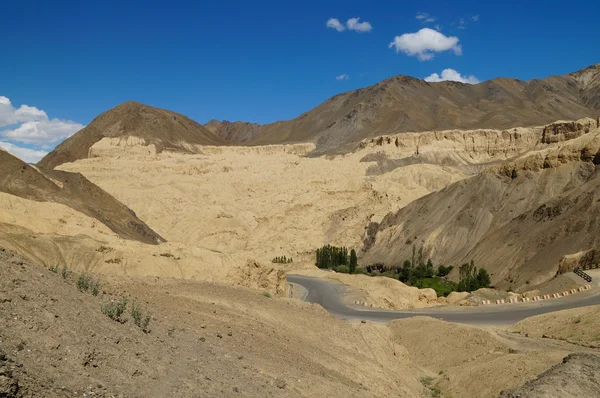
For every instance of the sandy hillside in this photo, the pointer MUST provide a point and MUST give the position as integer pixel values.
(51, 233)
(540, 205)
(204, 340)
(466, 361)
(273, 200)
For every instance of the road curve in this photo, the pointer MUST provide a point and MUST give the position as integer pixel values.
(328, 295)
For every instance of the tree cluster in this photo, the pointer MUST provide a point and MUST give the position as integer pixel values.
(337, 258)
(472, 278)
(282, 260)
(331, 256)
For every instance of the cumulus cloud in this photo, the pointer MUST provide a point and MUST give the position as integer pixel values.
(30, 125)
(39, 132)
(25, 154)
(425, 18)
(342, 77)
(355, 25)
(334, 23)
(425, 43)
(451, 75)
(11, 115)
(34, 126)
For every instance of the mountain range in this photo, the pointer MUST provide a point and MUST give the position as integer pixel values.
(338, 125)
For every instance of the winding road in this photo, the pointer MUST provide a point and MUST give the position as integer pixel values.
(329, 296)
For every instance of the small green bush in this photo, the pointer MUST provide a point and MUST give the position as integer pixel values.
(95, 286)
(83, 283)
(344, 269)
(136, 314)
(426, 381)
(114, 310)
(267, 294)
(65, 272)
(138, 317)
(54, 269)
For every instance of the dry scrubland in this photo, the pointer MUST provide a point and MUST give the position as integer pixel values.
(207, 339)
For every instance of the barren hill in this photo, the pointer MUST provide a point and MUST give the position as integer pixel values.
(234, 132)
(403, 104)
(75, 191)
(164, 129)
(517, 219)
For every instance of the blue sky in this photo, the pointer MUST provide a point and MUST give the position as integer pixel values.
(261, 61)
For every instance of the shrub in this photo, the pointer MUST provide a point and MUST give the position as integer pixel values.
(344, 269)
(83, 283)
(138, 317)
(114, 310)
(136, 314)
(145, 323)
(65, 272)
(54, 269)
(95, 286)
(267, 294)
(426, 380)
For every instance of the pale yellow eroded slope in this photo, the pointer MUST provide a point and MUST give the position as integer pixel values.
(266, 201)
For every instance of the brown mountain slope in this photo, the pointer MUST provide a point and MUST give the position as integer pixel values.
(234, 132)
(75, 191)
(517, 220)
(402, 104)
(162, 128)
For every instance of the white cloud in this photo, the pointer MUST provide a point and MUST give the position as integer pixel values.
(342, 77)
(425, 18)
(451, 75)
(438, 27)
(11, 115)
(425, 43)
(462, 24)
(352, 24)
(39, 132)
(25, 154)
(31, 125)
(334, 23)
(475, 18)
(34, 124)
(356, 26)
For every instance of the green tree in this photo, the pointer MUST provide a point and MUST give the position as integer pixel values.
(353, 261)
(483, 278)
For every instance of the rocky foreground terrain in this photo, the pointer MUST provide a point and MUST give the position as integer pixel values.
(208, 339)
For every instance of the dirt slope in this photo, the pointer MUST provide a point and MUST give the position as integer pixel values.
(73, 190)
(517, 219)
(577, 376)
(403, 104)
(205, 340)
(164, 129)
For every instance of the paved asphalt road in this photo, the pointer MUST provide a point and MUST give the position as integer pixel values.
(328, 295)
